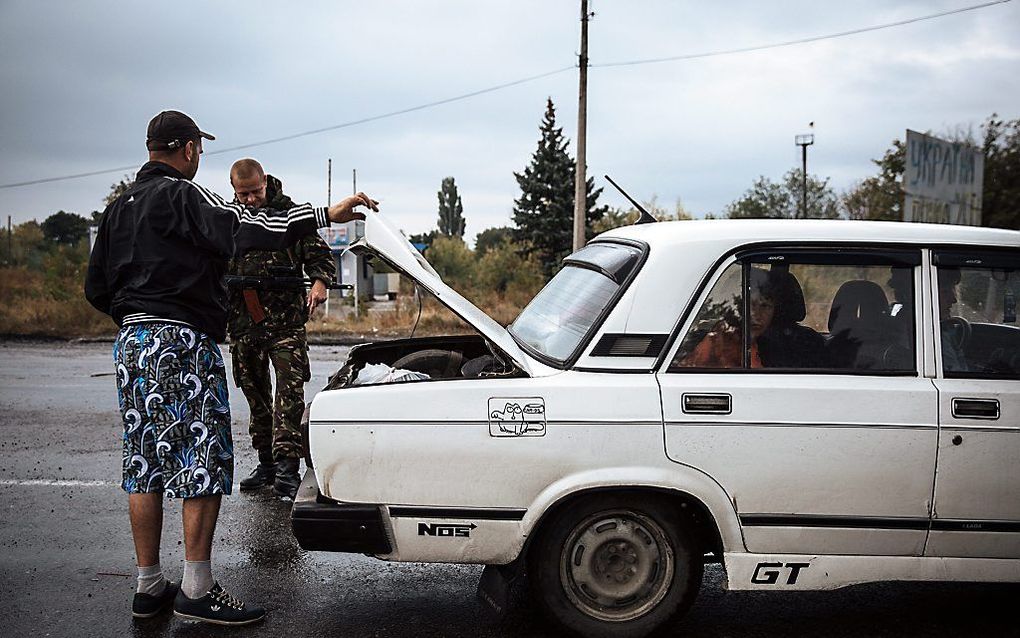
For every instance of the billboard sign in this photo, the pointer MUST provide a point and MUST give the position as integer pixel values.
(340, 236)
(336, 237)
(942, 181)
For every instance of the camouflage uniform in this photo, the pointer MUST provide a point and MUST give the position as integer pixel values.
(279, 338)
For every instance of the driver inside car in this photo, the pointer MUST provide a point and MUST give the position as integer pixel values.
(953, 329)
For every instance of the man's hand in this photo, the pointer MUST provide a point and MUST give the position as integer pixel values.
(343, 211)
(316, 296)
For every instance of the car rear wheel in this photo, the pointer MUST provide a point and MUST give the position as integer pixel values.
(614, 565)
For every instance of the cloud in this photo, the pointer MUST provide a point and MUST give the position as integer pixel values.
(82, 80)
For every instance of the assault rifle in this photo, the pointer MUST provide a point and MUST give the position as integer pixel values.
(280, 278)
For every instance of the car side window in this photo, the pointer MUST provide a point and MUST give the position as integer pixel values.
(977, 303)
(714, 340)
(800, 313)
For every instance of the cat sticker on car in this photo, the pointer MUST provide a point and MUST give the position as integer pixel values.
(517, 416)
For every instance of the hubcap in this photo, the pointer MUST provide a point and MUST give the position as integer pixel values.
(616, 565)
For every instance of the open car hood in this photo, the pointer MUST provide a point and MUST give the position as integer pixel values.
(377, 235)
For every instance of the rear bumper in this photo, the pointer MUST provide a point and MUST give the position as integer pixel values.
(322, 524)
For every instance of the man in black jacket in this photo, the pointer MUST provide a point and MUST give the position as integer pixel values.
(157, 269)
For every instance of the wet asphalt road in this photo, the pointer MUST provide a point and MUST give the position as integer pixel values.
(67, 569)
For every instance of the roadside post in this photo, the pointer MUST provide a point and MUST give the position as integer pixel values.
(804, 141)
(329, 195)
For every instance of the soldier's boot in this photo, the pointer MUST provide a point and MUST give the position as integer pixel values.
(287, 477)
(264, 473)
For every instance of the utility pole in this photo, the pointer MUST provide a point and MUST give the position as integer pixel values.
(580, 176)
(804, 141)
(329, 197)
(356, 267)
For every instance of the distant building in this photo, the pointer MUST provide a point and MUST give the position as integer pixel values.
(350, 268)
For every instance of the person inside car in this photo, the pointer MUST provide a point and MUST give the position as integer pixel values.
(953, 329)
(787, 343)
(723, 346)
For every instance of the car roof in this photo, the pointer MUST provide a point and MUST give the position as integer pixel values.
(738, 232)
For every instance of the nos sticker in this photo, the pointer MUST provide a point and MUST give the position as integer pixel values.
(517, 416)
(445, 530)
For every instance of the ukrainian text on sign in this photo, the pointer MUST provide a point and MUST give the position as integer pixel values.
(942, 181)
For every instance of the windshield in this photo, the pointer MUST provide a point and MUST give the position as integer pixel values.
(559, 317)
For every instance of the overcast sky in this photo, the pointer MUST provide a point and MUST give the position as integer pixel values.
(82, 79)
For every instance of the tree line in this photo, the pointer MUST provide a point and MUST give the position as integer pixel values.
(543, 213)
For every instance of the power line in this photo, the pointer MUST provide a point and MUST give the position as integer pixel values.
(66, 177)
(532, 78)
(324, 129)
(373, 118)
(817, 38)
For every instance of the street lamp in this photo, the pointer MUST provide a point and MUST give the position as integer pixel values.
(804, 141)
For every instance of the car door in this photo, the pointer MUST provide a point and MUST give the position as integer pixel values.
(817, 423)
(977, 487)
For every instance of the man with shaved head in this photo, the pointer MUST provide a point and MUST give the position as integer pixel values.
(267, 326)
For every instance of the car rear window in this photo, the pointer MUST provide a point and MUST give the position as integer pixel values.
(559, 317)
(556, 322)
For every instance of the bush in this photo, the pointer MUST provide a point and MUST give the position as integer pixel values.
(35, 303)
(453, 260)
(503, 270)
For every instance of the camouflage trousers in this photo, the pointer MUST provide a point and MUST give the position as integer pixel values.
(274, 425)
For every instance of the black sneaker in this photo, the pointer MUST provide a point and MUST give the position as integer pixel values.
(261, 476)
(217, 607)
(287, 478)
(147, 606)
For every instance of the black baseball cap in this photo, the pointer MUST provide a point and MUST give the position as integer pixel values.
(171, 130)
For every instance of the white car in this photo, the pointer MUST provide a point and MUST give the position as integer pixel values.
(814, 404)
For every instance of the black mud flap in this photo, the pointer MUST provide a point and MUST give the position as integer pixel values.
(498, 589)
(322, 524)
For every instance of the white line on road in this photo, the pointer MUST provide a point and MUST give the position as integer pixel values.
(55, 483)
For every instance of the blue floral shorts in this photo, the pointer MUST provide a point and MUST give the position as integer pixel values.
(172, 389)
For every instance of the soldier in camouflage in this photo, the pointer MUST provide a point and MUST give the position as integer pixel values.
(267, 326)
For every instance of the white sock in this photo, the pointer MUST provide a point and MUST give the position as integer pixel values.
(150, 580)
(197, 579)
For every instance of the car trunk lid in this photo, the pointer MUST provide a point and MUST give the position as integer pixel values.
(377, 235)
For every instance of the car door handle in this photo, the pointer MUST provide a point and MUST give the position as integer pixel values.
(707, 403)
(976, 408)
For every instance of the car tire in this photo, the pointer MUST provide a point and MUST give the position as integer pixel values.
(438, 364)
(614, 565)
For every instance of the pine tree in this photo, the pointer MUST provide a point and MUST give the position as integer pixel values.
(544, 214)
(451, 210)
